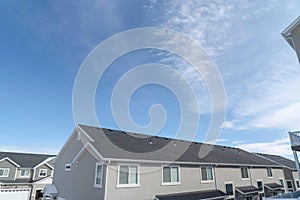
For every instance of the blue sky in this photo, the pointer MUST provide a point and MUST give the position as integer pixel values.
(43, 43)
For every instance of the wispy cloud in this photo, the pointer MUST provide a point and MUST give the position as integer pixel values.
(261, 81)
(281, 147)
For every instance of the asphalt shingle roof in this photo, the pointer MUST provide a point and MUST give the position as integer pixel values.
(273, 186)
(25, 160)
(247, 190)
(281, 160)
(209, 194)
(122, 145)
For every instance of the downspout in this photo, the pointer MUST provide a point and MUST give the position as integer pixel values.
(106, 177)
(216, 186)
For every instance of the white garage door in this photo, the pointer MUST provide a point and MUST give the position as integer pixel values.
(14, 194)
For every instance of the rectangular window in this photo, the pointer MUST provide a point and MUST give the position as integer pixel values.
(289, 184)
(128, 175)
(43, 172)
(68, 167)
(297, 183)
(98, 175)
(244, 171)
(4, 172)
(249, 198)
(229, 189)
(207, 174)
(270, 173)
(25, 173)
(281, 182)
(171, 174)
(259, 185)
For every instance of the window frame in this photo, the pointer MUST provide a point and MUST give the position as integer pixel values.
(5, 169)
(291, 184)
(98, 185)
(233, 189)
(297, 183)
(271, 171)
(27, 176)
(248, 172)
(262, 185)
(162, 175)
(68, 167)
(121, 185)
(212, 172)
(40, 172)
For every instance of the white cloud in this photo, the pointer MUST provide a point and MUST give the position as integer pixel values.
(279, 147)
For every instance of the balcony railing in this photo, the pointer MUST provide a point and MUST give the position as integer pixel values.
(295, 138)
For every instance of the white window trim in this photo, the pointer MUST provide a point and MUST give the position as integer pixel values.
(170, 183)
(289, 180)
(7, 171)
(296, 183)
(233, 188)
(130, 184)
(248, 171)
(263, 185)
(25, 176)
(68, 165)
(213, 175)
(41, 170)
(271, 173)
(95, 184)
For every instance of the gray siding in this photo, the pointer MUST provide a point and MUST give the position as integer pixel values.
(77, 184)
(37, 172)
(12, 170)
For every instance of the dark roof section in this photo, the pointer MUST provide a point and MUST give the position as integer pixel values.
(273, 186)
(280, 160)
(113, 144)
(209, 194)
(247, 190)
(25, 159)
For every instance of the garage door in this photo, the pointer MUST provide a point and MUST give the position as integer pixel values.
(13, 194)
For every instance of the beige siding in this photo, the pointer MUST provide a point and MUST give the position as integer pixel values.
(296, 178)
(227, 174)
(151, 182)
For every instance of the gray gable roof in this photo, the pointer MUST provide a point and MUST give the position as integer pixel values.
(114, 144)
(280, 160)
(25, 160)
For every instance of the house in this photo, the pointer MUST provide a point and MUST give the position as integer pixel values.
(23, 175)
(289, 169)
(103, 164)
(292, 35)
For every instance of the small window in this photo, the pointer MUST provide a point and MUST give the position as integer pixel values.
(98, 175)
(68, 167)
(25, 173)
(207, 174)
(4, 172)
(297, 183)
(259, 185)
(128, 175)
(270, 173)
(43, 172)
(281, 182)
(289, 184)
(249, 198)
(171, 174)
(229, 189)
(244, 171)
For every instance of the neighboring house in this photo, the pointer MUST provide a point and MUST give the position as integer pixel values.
(290, 171)
(23, 175)
(104, 164)
(292, 36)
